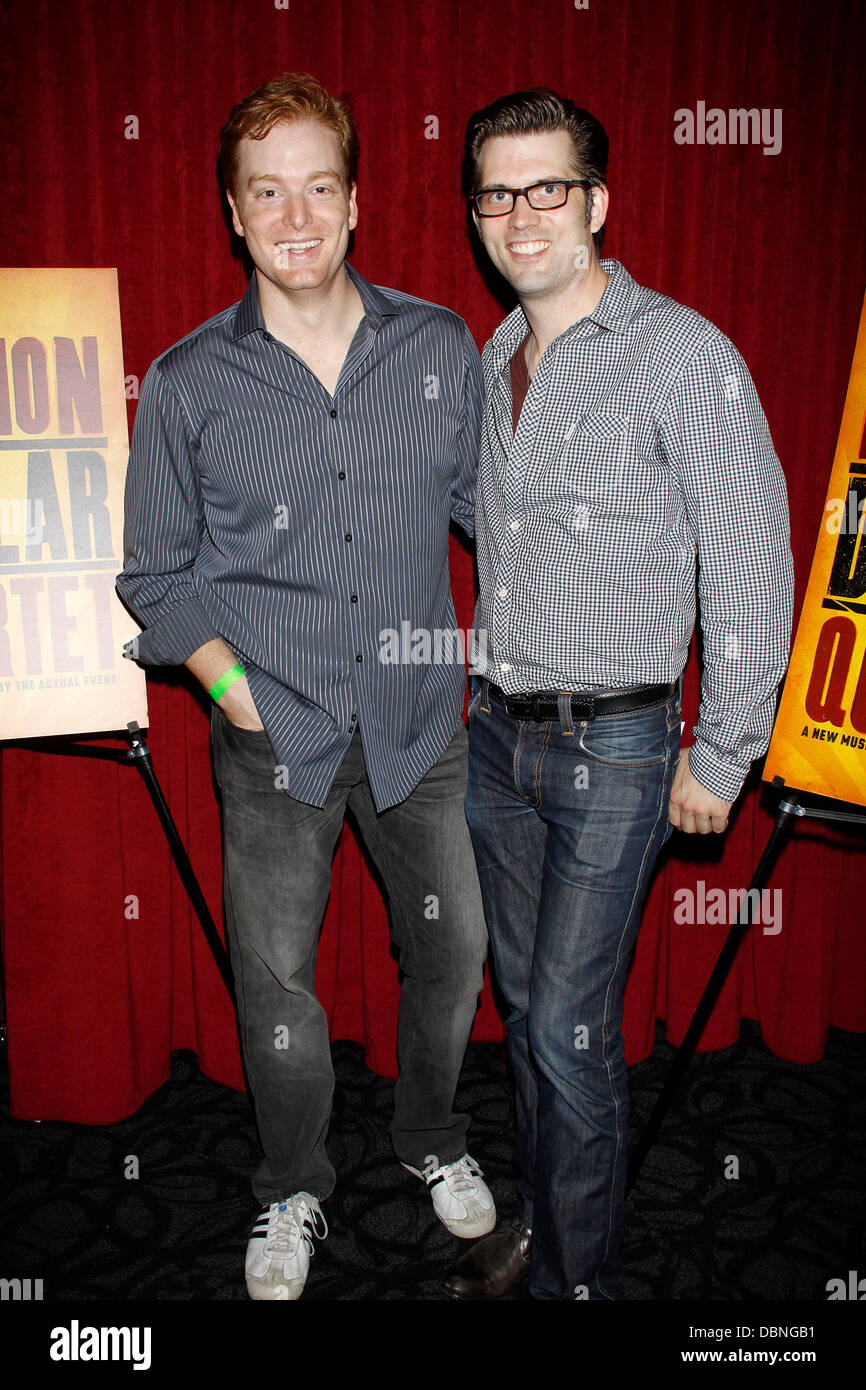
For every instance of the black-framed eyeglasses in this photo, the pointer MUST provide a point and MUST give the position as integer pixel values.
(494, 202)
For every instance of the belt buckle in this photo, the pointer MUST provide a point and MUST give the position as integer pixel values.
(518, 706)
(523, 706)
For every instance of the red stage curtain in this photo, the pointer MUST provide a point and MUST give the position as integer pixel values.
(768, 246)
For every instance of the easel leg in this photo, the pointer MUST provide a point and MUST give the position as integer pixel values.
(140, 755)
(785, 817)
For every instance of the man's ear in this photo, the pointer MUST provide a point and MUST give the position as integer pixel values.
(600, 200)
(236, 221)
(353, 206)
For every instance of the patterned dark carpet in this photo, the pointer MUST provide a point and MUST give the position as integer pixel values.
(794, 1218)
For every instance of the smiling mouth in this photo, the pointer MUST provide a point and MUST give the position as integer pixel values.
(285, 249)
(528, 248)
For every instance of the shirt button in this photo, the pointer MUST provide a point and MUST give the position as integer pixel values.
(354, 598)
(505, 666)
(503, 593)
(348, 536)
(359, 657)
(514, 525)
(333, 414)
(341, 476)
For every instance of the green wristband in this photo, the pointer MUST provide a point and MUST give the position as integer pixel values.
(219, 688)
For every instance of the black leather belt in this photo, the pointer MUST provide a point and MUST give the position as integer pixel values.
(544, 704)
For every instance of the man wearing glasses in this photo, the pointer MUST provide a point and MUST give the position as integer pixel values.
(622, 442)
(294, 466)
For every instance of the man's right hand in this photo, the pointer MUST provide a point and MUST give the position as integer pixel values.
(210, 662)
(238, 707)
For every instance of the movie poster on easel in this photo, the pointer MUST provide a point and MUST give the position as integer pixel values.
(63, 453)
(819, 739)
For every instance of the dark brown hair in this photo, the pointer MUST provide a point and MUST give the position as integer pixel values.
(530, 113)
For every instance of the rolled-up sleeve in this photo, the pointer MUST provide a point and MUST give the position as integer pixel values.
(163, 526)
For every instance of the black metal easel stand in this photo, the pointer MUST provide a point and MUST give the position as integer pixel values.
(789, 811)
(138, 754)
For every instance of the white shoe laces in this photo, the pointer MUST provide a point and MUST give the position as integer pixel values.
(459, 1177)
(286, 1225)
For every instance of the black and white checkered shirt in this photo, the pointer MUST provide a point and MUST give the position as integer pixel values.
(641, 448)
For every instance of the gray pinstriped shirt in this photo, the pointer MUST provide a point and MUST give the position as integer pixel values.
(300, 527)
(641, 447)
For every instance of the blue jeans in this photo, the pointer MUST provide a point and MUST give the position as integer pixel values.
(567, 818)
(277, 877)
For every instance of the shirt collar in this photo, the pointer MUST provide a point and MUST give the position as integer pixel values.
(615, 310)
(376, 305)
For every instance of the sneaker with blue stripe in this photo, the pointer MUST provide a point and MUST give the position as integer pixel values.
(280, 1246)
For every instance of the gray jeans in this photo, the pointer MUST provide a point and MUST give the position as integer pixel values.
(277, 877)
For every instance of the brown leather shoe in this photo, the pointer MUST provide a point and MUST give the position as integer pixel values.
(494, 1266)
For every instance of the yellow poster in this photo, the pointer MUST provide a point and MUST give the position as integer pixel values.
(63, 451)
(819, 740)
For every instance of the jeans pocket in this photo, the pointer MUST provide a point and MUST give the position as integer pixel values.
(219, 716)
(474, 697)
(247, 749)
(640, 738)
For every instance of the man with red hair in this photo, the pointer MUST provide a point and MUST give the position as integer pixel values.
(295, 464)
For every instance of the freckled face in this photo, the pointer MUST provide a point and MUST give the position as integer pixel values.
(294, 207)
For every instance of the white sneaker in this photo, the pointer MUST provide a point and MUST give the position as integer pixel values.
(461, 1199)
(280, 1246)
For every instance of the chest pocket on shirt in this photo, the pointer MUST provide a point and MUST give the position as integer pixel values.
(598, 426)
(591, 462)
